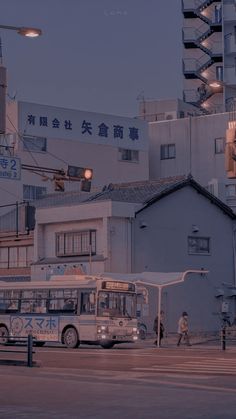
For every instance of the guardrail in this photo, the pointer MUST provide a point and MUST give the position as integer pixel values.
(28, 342)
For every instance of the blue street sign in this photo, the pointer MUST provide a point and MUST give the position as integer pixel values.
(10, 168)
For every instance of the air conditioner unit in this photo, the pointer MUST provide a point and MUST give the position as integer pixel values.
(170, 115)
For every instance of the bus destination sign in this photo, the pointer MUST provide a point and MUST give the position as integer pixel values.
(118, 286)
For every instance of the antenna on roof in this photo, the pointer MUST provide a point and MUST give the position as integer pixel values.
(142, 104)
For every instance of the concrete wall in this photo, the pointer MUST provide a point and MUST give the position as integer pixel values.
(163, 246)
(194, 139)
(111, 220)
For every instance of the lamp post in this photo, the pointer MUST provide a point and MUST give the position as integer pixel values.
(24, 31)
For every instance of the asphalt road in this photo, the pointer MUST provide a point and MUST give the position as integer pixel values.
(128, 381)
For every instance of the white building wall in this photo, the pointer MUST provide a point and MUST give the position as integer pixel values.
(111, 220)
(120, 245)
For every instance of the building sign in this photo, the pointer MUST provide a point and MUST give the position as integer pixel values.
(87, 127)
(45, 328)
(10, 168)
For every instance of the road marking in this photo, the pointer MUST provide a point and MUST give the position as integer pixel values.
(218, 366)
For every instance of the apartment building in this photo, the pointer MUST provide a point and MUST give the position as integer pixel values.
(209, 54)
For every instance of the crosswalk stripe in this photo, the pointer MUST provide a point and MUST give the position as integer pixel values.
(217, 366)
(189, 370)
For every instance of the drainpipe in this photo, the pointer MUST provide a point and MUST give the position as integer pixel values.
(190, 144)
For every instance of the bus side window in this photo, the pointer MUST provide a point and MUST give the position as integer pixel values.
(13, 305)
(26, 306)
(87, 305)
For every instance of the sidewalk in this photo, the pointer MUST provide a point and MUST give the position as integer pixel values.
(196, 343)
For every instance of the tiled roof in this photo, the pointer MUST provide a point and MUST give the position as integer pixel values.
(140, 192)
(61, 199)
(136, 192)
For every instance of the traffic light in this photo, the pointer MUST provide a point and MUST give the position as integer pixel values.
(79, 172)
(230, 153)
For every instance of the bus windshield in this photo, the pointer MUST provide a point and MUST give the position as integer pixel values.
(116, 304)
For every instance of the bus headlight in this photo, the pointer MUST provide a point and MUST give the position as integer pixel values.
(102, 329)
(135, 330)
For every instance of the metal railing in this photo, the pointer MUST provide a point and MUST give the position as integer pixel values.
(26, 341)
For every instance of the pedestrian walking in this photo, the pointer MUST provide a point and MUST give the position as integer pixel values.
(155, 328)
(183, 328)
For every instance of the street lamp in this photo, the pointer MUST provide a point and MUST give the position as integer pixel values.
(24, 31)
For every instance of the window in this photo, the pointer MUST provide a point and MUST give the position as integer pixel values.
(16, 257)
(116, 304)
(76, 243)
(87, 304)
(219, 145)
(36, 144)
(9, 301)
(231, 191)
(31, 192)
(199, 245)
(34, 301)
(128, 155)
(167, 151)
(63, 300)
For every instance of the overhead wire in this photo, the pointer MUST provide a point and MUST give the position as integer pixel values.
(21, 137)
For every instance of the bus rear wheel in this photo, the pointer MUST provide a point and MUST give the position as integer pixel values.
(3, 335)
(70, 338)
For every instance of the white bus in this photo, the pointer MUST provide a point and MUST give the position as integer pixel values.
(70, 309)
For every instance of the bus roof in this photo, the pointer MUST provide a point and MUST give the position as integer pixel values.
(59, 281)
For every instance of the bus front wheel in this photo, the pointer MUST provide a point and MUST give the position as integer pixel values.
(3, 335)
(39, 343)
(70, 338)
(107, 345)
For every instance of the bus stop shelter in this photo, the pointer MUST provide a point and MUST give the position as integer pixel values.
(158, 280)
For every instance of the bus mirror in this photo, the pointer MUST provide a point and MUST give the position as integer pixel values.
(92, 298)
(142, 295)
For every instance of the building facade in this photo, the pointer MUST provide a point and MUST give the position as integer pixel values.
(209, 53)
(166, 225)
(45, 137)
(196, 146)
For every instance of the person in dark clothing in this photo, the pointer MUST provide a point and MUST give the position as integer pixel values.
(155, 328)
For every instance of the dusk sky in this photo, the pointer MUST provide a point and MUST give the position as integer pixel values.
(95, 55)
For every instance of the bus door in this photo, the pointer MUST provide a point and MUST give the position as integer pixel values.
(87, 315)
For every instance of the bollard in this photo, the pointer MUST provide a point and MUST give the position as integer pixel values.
(223, 340)
(30, 351)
